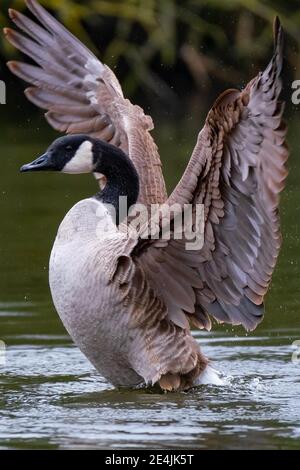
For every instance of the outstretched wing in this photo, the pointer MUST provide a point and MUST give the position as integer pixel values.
(82, 95)
(237, 171)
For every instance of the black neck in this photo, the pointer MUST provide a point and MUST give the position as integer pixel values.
(121, 175)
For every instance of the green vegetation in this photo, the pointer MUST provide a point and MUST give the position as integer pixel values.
(151, 42)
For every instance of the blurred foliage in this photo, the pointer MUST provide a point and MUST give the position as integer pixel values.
(215, 43)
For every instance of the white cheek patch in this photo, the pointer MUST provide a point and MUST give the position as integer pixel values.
(82, 162)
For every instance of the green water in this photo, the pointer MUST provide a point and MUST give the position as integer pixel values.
(51, 397)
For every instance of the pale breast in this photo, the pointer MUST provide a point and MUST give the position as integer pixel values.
(90, 306)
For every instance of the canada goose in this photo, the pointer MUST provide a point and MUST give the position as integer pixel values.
(128, 302)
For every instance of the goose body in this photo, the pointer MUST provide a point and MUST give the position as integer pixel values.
(107, 319)
(100, 326)
(129, 301)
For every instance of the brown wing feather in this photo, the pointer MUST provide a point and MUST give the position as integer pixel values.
(237, 171)
(82, 95)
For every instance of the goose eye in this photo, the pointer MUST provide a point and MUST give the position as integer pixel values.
(68, 148)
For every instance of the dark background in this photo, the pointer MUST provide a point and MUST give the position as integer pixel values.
(172, 56)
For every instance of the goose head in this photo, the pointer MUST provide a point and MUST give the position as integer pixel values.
(80, 153)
